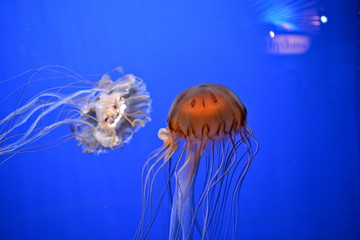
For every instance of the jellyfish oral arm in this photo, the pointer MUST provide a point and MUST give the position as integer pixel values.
(182, 212)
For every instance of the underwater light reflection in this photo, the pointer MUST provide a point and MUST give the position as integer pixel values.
(291, 16)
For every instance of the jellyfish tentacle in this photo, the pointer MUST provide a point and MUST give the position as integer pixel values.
(218, 178)
(11, 148)
(105, 80)
(148, 185)
(8, 149)
(139, 112)
(141, 122)
(28, 106)
(250, 153)
(162, 153)
(205, 194)
(22, 119)
(123, 82)
(149, 173)
(182, 213)
(22, 141)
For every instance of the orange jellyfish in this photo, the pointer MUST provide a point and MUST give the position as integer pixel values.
(103, 115)
(207, 124)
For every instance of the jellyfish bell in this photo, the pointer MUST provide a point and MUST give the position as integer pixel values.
(206, 112)
(119, 110)
(102, 115)
(205, 123)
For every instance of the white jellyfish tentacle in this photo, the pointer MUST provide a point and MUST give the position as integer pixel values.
(14, 146)
(105, 79)
(26, 107)
(24, 118)
(22, 140)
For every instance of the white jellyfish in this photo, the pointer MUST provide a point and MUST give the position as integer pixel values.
(102, 115)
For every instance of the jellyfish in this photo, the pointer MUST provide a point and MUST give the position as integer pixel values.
(207, 150)
(102, 115)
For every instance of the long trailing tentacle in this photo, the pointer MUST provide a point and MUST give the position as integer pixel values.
(218, 190)
(156, 162)
(51, 107)
(250, 155)
(148, 168)
(218, 186)
(36, 103)
(13, 147)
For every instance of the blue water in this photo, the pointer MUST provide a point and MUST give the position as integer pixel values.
(303, 184)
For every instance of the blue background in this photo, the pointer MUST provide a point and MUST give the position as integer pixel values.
(303, 184)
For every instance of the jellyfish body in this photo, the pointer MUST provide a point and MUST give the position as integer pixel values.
(116, 113)
(206, 122)
(102, 115)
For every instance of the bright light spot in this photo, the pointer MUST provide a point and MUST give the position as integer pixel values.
(323, 19)
(272, 34)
